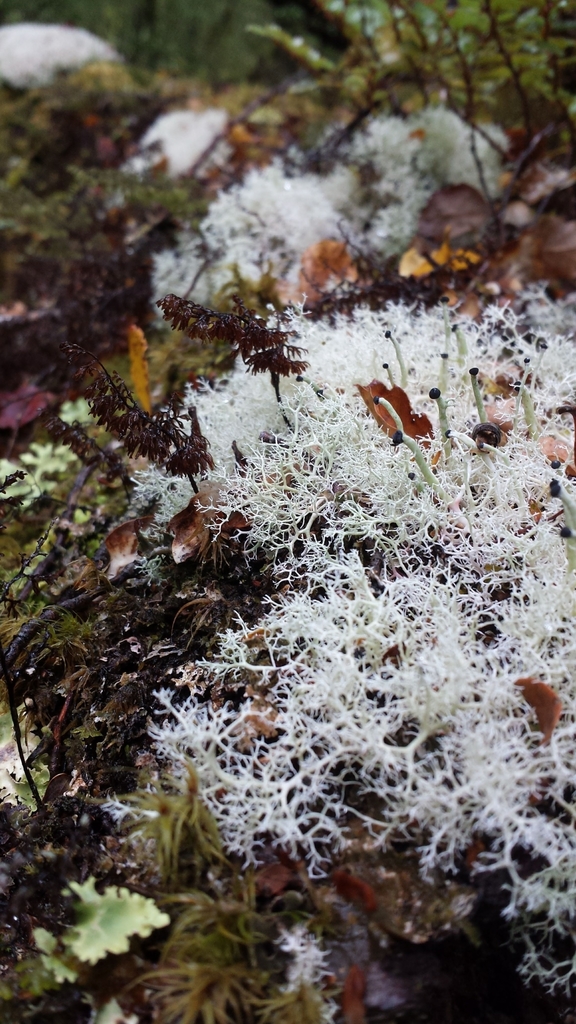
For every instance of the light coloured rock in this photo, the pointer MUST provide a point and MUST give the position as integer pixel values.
(32, 54)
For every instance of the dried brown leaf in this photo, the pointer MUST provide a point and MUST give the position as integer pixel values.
(273, 878)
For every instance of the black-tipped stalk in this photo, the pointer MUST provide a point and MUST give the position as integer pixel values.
(436, 395)
(447, 325)
(525, 398)
(400, 437)
(400, 358)
(474, 371)
(444, 357)
(568, 532)
(315, 387)
(417, 483)
(462, 346)
(386, 366)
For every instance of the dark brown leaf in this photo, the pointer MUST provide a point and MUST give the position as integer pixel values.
(453, 211)
(197, 528)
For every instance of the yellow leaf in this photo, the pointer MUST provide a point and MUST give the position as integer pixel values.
(137, 346)
(462, 258)
(412, 264)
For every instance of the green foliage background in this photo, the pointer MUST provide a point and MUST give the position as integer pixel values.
(207, 40)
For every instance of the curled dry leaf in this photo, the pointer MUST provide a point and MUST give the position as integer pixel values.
(201, 525)
(546, 703)
(353, 889)
(122, 544)
(353, 996)
(416, 425)
(540, 180)
(453, 211)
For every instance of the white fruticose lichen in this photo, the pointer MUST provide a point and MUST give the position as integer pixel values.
(383, 673)
(308, 965)
(264, 224)
(180, 138)
(32, 54)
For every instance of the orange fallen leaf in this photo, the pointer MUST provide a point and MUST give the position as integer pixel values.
(353, 1009)
(546, 703)
(122, 544)
(414, 264)
(325, 265)
(554, 448)
(416, 425)
(137, 346)
(354, 890)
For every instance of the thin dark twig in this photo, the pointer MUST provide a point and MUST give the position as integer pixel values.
(46, 563)
(495, 33)
(10, 688)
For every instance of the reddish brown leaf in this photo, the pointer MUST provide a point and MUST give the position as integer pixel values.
(122, 544)
(354, 890)
(22, 406)
(416, 425)
(353, 996)
(545, 701)
(273, 878)
(453, 211)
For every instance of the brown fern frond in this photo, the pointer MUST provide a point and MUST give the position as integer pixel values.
(85, 447)
(160, 436)
(263, 349)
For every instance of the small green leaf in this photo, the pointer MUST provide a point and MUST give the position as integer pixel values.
(104, 923)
